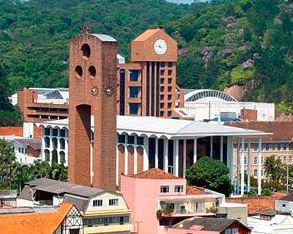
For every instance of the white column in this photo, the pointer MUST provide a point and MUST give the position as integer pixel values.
(259, 168)
(91, 162)
(248, 165)
(135, 155)
(194, 150)
(221, 147)
(117, 164)
(242, 167)
(230, 157)
(156, 153)
(211, 147)
(146, 154)
(126, 156)
(43, 143)
(184, 157)
(166, 163)
(176, 164)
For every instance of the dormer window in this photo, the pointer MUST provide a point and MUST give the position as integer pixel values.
(164, 189)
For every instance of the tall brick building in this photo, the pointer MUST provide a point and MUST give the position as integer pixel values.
(147, 85)
(92, 90)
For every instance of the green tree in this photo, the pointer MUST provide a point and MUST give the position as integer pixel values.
(274, 168)
(8, 165)
(211, 174)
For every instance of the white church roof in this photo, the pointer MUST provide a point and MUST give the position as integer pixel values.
(169, 128)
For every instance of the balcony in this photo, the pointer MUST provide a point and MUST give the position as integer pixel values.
(186, 208)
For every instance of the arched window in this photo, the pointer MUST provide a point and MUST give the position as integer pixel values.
(47, 155)
(62, 157)
(55, 143)
(62, 143)
(54, 156)
(47, 142)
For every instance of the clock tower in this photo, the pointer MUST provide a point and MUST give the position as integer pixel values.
(92, 110)
(147, 85)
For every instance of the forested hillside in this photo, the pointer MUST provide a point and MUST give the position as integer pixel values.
(222, 43)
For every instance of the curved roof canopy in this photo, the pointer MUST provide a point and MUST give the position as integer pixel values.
(207, 95)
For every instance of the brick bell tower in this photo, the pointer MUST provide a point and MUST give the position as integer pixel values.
(92, 90)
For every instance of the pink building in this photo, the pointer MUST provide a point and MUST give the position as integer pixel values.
(158, 200)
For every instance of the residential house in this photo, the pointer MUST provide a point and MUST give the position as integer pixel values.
(102, 211)
(63, 219)
(159, 200)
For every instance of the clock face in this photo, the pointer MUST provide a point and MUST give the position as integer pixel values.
(160, 46)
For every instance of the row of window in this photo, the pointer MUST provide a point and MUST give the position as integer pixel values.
(54, 143)
(169, 64)
(130, 139)
(267, 146)
(166, 188)
(55, 132)
(21, 150)
(112, 202)
(163, 88)
(105, 221)
(169, 113)
(162, 80)
(284, 159)
(231, 231)
(54, 157)
(162, 97)
(162, 72)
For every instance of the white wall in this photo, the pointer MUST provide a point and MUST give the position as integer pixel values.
(106, 197)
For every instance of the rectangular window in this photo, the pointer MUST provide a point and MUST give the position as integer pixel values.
(169, 80)
(162, 72)
(133, 75)
(97, 203)
(162, 64)
(161, 97)
(170, 64)
(133, 108)
(62, 132)
(133, 92)
(164, 189)
(162, 80)
(140, 140)
(169, 72)
(169, 97)
(169, 105)
(122, 91)
(113, 202)
(169, 113)
(55, 132)
(162, 105)
(130, 140)
(178, 188)
(47, 131)
(121, 138)
(169, 89)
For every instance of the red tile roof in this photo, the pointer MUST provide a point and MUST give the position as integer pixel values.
(156, 174)
(34, 223)
(282, 131)
(256, 204)
(146, 34)
(193, 190)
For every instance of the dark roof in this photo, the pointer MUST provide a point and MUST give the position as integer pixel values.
(59, 187)
(79, 202)
(289, 197)
(26, 193)
(208, 224)
(282, 130)
(33, 142)
(268, 212)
